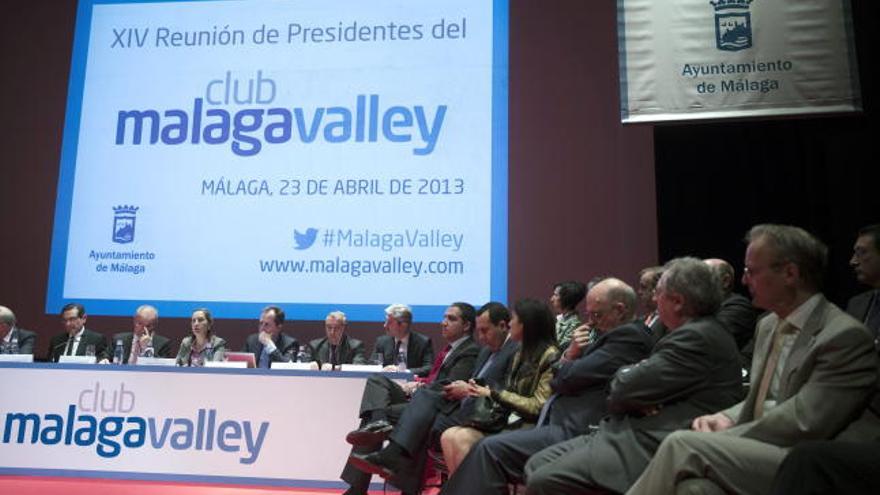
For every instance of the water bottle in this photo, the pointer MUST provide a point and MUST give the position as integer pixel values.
(148, 350)
(118, 353)
(301, 355)
(401, 360)
(13, 345)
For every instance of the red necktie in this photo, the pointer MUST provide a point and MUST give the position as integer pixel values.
(435, 369)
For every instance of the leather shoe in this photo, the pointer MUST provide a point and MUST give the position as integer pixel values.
(370, 434)
(373, 463)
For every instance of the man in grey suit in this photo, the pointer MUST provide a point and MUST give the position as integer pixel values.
(10, 333)
(143, 341)
(865, 261)
(812, 374)
(692, 370)
(337, 348)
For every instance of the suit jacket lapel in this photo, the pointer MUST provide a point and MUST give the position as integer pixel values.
(762, 347)
(259, 350)
(342, 350)
(127, 342)
(801, 347)
(482, 357)
(410, 349)
(860, 306)
(388, 350)
(453, 354)
(764, 340)
(83, 342)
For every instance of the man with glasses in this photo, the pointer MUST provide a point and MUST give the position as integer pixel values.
(77, 340)
(692, 370)
(813, 371)
(579, 392)
(865, 261)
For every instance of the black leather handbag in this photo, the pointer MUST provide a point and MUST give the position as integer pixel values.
(488, 415)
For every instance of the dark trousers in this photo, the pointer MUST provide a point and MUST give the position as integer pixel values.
(382, 397)
(497, 460)
(830, 467)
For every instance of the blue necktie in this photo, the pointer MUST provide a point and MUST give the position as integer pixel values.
(545, 411)
(486, 365)
(264, 358)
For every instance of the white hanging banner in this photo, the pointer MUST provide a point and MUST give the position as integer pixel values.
(712, 59)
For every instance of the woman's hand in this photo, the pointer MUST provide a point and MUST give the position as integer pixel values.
(476, 390)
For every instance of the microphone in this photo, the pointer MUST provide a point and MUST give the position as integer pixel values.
(60, 345)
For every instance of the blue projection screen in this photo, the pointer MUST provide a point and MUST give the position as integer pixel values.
(317, 154)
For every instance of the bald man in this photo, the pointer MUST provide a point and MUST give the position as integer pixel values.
(691, 370)
(737, 313)
(580, 392)
(10, 333)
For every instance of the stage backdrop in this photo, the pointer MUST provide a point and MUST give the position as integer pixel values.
(581, 184)
(709, 59)
(324, 155)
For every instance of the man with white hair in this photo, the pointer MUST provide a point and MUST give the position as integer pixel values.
(337, 347)
(10, 333)
(813, 372)
(692, 370)
(143, 341)
(400, 341)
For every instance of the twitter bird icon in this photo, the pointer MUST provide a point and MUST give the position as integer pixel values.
(305, 240)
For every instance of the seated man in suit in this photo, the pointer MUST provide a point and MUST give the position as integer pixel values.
(648, 278)
(14, 340)
(77, 339)
(813, 371)
(144, 341)
(693, 369)
(337, 347)
(403, 460)
(865, 261)
(383, 400)
(580, 388)
(401, 343)
(270, 345)
(736, 313)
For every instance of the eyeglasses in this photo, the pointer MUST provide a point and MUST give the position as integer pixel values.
(595, 315)
(754, 271)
